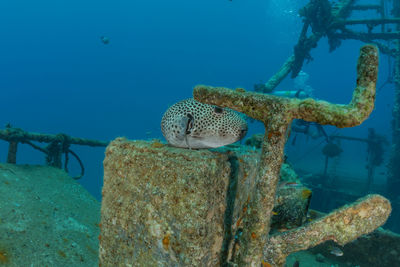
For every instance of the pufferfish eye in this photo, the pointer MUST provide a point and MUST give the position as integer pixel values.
(218, 110)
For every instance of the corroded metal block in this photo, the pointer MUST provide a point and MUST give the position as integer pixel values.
(162, 206)
(165, 206)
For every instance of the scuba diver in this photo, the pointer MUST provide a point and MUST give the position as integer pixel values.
(292, 94)
(301, 88)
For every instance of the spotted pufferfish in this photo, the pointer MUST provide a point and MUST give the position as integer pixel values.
(191, 124)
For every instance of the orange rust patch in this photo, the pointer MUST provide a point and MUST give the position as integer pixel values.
(265, 264)
(99, 237)
(165, 242)
(270, 134)
(156, 144)
(238, 222)
(3, 257)
(245, 175)
(306, 193)
(253, 235)
(244, 209)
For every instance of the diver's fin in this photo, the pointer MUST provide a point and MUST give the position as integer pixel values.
(297, 94)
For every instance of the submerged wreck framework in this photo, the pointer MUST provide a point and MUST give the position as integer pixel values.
(175, 207)
(58, 144)
(334, 21)
(155, 216)
(165, 236)
(277, 114)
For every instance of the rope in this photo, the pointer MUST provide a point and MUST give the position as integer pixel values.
(58, 144)
(80, 164)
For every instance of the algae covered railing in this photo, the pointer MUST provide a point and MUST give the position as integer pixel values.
(58, 144)
(323, 18)
(342, 226)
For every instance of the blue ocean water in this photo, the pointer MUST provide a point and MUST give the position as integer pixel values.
(56, 75)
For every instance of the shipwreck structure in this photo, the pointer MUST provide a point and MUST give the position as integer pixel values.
(176, 207)
(166, 206)
(340, 21)
(57, 146)
(277, 114)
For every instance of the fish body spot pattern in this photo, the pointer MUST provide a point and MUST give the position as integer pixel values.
(191, 124)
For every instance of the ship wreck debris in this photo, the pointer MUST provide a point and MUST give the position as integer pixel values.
(171, 206)
(277, 114)
(58, 144)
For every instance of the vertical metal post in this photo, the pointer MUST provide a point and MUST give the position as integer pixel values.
(12, 152)
(54, 154)
(326, 169)
(382, 11)
(370, 177)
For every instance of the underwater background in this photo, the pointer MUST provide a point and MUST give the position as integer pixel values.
(58, 76)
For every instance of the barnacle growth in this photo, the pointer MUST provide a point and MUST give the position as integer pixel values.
(277, 114)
